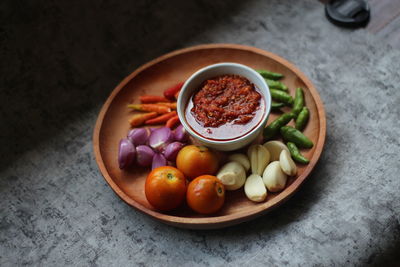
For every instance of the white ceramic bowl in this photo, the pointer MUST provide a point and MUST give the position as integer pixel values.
(194, 82)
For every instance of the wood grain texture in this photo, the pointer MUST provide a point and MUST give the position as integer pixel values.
(153, 78)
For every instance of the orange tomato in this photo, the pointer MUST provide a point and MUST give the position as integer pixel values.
(205, 194)
(194, 161)
(165, 188)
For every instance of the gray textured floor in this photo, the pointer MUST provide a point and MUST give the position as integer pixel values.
(59, 62)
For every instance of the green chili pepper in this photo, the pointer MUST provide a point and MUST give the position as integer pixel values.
(302, 119)
(298, 102)
(281, 97)
(296, 155)
(291, 134)
(273, 129)
(270, 75)
(276, 105)
(276, 85)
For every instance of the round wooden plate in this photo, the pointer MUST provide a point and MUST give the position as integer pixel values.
(167, 70)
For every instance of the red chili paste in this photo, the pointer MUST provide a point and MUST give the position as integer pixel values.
(227, 98)
(225, 107)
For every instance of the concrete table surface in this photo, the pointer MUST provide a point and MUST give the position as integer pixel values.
(59, 62)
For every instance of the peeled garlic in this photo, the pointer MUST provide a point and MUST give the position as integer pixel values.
(232, 175)
(287, 164)
(274, 178)
(254, 188)
(242, 159)
(259, 158)
(275, 148)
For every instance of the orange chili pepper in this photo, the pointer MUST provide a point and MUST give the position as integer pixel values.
(150, 107)
(162, 118)
(139, 119)
(168, 104)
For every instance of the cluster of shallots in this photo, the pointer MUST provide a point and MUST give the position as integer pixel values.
(153, 147)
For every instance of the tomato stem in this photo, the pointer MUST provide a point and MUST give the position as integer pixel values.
(202, 148)
(170, 176)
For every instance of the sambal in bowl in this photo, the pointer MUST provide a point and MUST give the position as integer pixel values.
(224, 106)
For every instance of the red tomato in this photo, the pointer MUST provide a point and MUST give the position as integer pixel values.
(194, 161)
(205, 194)
(165, 188)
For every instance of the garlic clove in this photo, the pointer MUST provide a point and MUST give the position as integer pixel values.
(263, 159)
(259, 158)
(254, 188)
(287, 164)
(275, 148)
(252, 154)
(242, 159)
(232, 175)
(274, 178)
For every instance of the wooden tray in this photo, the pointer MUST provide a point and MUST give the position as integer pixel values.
(165, 71)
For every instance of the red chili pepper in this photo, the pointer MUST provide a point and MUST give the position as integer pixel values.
(172, 122)
(162, 118)
(148, 99)
(170, 92)
(177, 94)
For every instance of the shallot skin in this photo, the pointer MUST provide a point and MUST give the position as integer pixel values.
(158, 161)
(144, 155)
(139, 136)
(180, 134)
(160, 138)
(172, 150)
(126, 153)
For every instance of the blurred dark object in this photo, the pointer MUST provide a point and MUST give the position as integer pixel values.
(348, 13)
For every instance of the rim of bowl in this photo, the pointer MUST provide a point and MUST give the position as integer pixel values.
(182, 106)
